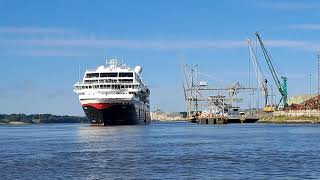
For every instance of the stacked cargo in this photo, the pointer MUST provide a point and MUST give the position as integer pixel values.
(312, 103)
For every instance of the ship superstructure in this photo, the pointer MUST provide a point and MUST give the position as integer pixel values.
(114, 95)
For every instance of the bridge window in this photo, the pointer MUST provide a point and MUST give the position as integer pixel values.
(108, 74)
(92, 75)
(125, 74)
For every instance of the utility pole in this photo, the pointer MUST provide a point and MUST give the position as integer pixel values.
(310, 75)
(196, 87)
(318, 72)
(191, 93)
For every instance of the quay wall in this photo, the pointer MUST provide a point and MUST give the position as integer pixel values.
(291, 116)
(296, 113)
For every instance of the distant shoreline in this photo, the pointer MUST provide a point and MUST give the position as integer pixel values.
(22, 119)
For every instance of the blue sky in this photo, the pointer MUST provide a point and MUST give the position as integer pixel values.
(42, 44)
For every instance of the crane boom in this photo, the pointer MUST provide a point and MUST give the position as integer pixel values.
(262, 81)
(281, 87)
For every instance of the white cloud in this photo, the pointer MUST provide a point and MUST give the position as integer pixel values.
(81, 47)
(129, 44)
(305, 26)
(32, 30)
(289, 5)
(50, 53)
(159, 44)
(299, 45)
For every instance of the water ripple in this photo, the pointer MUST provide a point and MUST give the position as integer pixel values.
(160, 151)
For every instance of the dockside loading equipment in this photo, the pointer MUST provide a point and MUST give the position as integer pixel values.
(282, 87)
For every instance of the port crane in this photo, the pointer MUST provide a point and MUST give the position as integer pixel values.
(282, 87)
(262, 81)
(200, 96)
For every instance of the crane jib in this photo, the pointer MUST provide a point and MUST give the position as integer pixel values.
(281, 87)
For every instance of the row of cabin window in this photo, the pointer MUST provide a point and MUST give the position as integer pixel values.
(108, 87)
(96, 75)
(109, 81)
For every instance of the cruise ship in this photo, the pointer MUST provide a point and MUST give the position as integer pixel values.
(114, 94)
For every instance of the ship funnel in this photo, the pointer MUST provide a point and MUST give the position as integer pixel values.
(138, 69)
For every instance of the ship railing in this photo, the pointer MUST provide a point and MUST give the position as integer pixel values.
(91, 70)
(106, 86)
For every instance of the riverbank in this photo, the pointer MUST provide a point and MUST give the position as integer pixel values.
(15, 123)
(283, 119)
(21, 119)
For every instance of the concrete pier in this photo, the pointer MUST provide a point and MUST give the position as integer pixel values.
(226, 120)
(212, 120)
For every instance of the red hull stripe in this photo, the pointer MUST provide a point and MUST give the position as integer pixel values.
(98, 105)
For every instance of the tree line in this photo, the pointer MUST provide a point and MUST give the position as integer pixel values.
(41, 118)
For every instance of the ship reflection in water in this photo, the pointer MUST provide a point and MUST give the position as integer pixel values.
(160, 151)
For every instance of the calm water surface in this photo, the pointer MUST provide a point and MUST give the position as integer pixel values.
(160, 151)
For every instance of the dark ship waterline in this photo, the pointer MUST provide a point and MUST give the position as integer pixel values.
(115, 114)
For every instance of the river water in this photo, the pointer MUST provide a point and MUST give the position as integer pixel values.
(160, 151)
